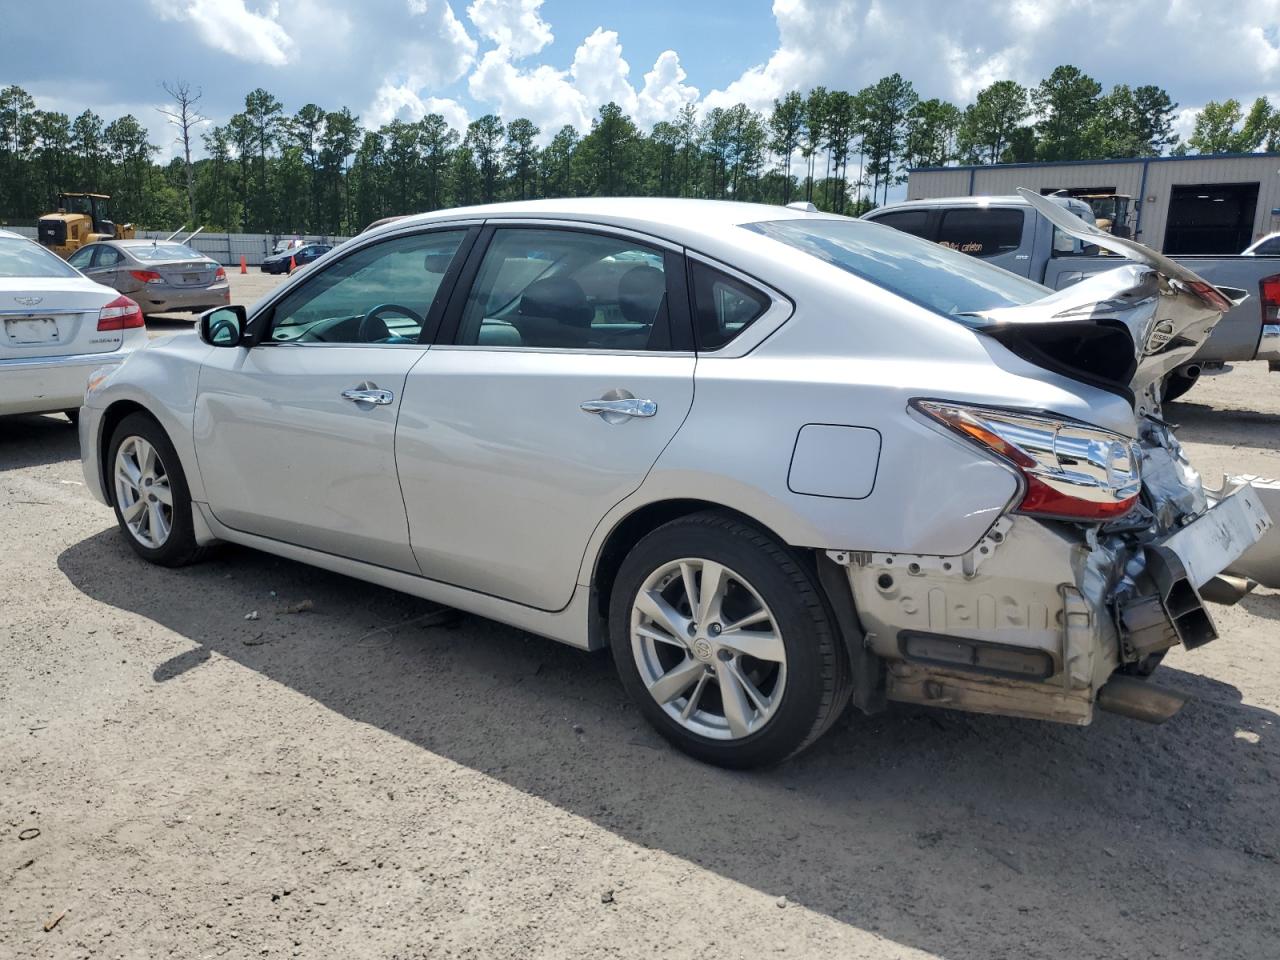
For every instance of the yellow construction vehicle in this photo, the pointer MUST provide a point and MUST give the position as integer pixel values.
(80, 218)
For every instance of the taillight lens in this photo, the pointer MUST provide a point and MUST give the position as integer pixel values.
(1269, 296)
(146, 276)
(1070, 470)
(220, 274)
(120, 314)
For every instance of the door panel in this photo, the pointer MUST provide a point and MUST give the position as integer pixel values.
(282, 454)
(505, 476)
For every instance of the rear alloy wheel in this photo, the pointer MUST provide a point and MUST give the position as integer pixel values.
(724, 642)
(149, 490)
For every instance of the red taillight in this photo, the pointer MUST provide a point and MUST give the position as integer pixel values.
(220, 274)
(120, 314)
(1070, 470)
(1210, 295)
(1269, 297)
(146, 276)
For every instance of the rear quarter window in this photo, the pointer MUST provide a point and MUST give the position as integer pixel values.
(724, 306)
(981, 231)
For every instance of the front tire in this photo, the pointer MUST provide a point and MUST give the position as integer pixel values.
(725, 642)
(150, 493)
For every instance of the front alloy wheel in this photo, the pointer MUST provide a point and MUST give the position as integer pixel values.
(708, 649)
(143, 492)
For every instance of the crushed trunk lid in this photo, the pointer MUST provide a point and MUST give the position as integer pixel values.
(1123, 330)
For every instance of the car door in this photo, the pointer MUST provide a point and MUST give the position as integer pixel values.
(295, 434)
(108, 264)
(564, 368)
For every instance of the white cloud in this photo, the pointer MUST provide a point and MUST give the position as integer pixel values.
(230, 26)
(665, 93)
(516, 26)
(600, 73)
(403, 102)
(543, 94)
(953, 50)
(443, 50)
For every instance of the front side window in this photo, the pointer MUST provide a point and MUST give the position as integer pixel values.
(80, 259)
(914, 222)
(379, 294)
(20, 257)
(1269, 248)
(926, 273)
(981, 231)
(563, 289)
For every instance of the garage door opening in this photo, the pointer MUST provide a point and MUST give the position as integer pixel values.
(1211, 218)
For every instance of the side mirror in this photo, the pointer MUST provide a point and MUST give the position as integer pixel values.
(224, 326)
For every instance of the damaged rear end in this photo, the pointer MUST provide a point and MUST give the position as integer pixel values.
(1107, 555)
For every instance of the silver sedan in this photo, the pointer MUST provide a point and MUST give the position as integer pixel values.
(162, 276)
(779, 462)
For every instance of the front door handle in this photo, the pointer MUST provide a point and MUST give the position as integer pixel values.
(368, 394)
(615, 411)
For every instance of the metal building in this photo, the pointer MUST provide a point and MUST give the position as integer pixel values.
(1181, 205)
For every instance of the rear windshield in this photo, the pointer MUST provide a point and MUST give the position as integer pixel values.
(947, 282)
(22, 258)
(164, 251)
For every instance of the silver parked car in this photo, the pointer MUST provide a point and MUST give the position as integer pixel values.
(779, 461)
(163, 277)
(56, 328)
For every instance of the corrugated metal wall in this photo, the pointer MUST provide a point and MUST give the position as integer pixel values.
(1162, 176)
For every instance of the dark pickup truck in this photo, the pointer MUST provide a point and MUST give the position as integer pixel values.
(1011, 233)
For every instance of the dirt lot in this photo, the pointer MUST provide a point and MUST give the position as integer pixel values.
(177, 780)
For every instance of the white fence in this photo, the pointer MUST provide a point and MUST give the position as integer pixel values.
(226, 248)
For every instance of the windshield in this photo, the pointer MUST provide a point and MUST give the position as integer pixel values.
(22, 258)
(165, 251)
(925, 273)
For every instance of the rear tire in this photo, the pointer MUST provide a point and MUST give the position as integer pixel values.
(143, 473)
(700, 689)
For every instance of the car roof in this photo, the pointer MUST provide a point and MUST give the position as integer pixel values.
(10, 235)
(669, 216)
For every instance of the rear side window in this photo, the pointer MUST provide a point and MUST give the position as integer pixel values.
(981, 232)
(1269, 248)
(723, 306)
(925, 273)
(914, 222)
(22, 258)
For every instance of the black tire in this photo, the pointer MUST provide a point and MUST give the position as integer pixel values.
(180, 548)
(818, 682)
(1175, 385)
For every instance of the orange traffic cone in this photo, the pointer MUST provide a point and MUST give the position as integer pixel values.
(293, 265)
(244, 264)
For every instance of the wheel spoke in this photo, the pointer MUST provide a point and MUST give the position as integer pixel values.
(694, 697)
(133, 511)
(128, 470)
(146, 457)
(737, 710)
(162, 492)
(761, 644)
(750, 620)
(677, 680)
(159, 526)
(659, 636)
(711, 591)
(653, 606)
(689, 574)
(758, 700)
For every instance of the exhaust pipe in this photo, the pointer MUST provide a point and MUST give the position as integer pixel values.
(1227, 590)
(1138, 699)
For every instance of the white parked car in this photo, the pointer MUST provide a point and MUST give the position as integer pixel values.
(56, 327)
(779, 461)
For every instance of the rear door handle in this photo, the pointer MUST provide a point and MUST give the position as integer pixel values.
(369, 395)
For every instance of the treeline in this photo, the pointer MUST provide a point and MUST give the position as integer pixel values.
(321, 171)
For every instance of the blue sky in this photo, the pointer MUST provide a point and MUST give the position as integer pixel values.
(555, 61)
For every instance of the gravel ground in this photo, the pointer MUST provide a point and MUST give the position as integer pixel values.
(360, 781)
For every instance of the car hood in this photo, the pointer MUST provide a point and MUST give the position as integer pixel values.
(1124, 329)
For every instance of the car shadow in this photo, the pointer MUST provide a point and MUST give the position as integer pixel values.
(929, 828)
(36, 440)
(1201, 423)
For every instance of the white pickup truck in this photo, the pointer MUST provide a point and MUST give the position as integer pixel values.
(1010, 233)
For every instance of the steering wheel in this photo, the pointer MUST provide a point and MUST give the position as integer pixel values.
(366, 331)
